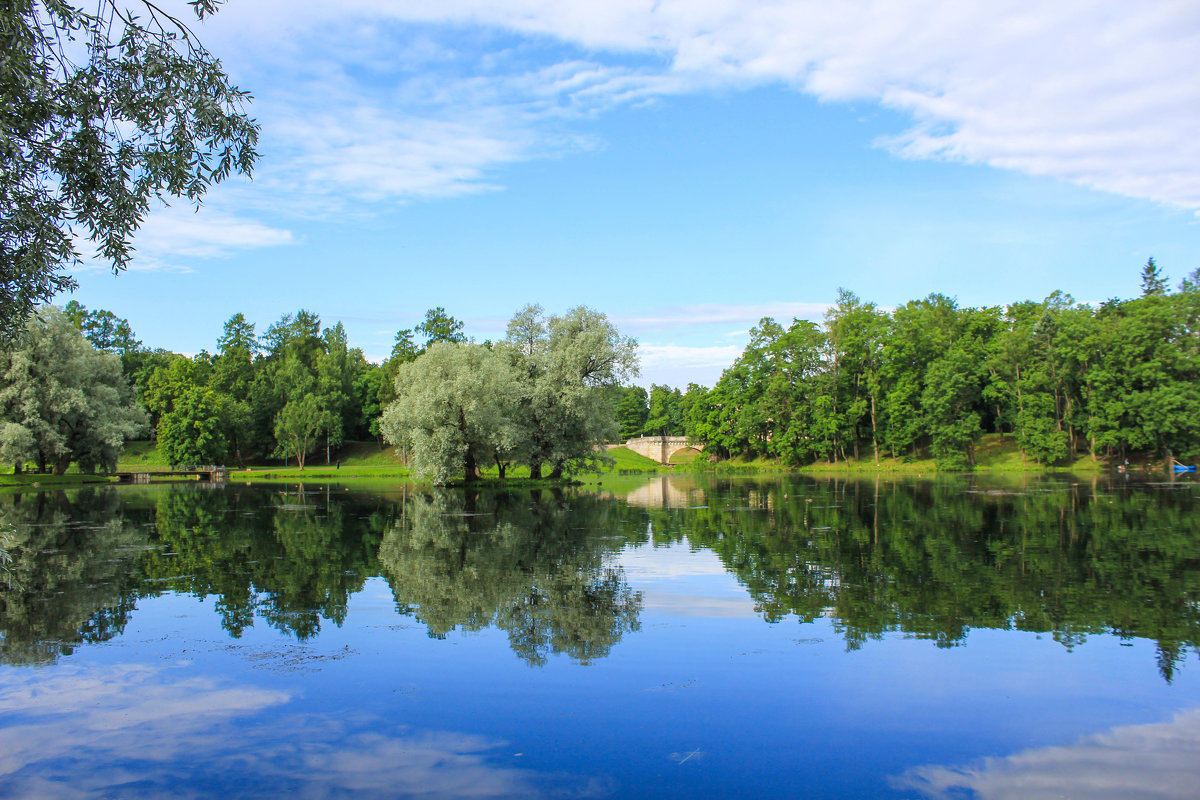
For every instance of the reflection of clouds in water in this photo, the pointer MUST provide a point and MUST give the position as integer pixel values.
(433, 765)
(692, 605)
(676, 560)
(680, 582)
(1157, 762)
(132, 731)
(75, 710)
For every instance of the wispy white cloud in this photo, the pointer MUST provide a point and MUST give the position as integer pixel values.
(679, 356)
(180, 231)
(1102, 93)
(170, 238)
(691, 316)
(372, 157)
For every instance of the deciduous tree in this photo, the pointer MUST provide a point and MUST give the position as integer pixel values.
(61, 400)
(455, 409)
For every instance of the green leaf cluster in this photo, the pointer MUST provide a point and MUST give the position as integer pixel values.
(102, 112)
(62, 400)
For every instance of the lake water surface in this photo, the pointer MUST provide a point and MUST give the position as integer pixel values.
(689, 636)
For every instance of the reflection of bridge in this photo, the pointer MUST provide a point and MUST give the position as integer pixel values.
(668, 491)
(661, 448)
(210, 474)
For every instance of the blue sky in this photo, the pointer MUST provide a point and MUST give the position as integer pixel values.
(685, 167)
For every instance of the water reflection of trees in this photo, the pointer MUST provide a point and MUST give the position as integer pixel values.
(81, 560)
(292, 558)
(70, 578)
(533, 565)
(937, 558)
(933, 559)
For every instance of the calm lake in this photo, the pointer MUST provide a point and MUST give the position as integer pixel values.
(685, 636)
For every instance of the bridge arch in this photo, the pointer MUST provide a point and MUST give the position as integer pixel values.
(661, 448)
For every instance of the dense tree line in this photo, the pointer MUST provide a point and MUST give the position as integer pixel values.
(539, 397)
(927, 378)
(662, 411)
(63, 400)
(930, 377)
(68, 387)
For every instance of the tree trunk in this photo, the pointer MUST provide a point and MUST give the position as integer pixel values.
(1070, 424)
(469, 466)
(60, 467)
(501, 467)
(874, 432)
(557, 472)
(535, 471)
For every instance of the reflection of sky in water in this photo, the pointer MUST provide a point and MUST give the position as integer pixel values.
(1158, 761)
(141, 731)
(703, 699)
(696, 707)
(696, 704)
(677, 581)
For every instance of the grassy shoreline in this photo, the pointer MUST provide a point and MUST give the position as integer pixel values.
(367, 463)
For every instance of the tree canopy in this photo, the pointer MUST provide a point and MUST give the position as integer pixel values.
(536, 398)
(61, 400)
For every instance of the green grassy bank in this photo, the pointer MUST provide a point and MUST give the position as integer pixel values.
(367, 463)
(994, 452)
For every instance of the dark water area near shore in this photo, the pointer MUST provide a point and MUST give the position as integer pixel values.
(689, 636)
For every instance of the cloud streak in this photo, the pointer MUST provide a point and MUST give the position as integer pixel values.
(1099, 93)
(691, 316)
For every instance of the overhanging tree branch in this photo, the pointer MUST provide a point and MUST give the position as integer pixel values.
(101, 112)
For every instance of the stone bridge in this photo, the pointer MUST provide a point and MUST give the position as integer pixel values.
(661, 448)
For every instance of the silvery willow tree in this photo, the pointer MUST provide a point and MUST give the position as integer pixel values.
(62, 400)
(454, 409)
(101, 112)
(562, 363)
(535, 398)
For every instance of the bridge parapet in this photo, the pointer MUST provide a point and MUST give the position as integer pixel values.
(661, 448)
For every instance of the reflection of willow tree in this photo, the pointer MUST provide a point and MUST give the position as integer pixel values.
(293, 560)
(533, 566)
(937, 558)
(69, 580)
